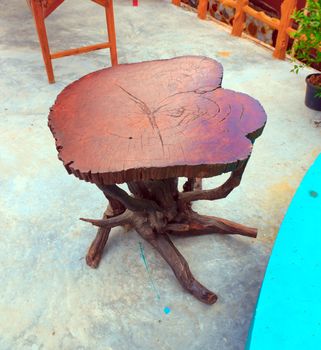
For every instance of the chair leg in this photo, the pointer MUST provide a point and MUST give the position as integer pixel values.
(42, 35)
(111, 31)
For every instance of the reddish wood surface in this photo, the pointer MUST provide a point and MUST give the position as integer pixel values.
(156, 120)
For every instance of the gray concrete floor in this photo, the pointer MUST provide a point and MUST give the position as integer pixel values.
(49, 298)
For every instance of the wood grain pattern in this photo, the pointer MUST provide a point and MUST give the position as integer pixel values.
(155, 119)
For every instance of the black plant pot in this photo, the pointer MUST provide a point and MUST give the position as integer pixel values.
(311, 100)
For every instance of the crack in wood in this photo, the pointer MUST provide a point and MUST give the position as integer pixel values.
(227, 114)
(196, 91)
(242, 113)
(150, 114)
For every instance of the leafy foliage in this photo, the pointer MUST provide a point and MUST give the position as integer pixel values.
(307, 46)
(308, 34)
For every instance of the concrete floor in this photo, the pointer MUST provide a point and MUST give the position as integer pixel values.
(49, 298)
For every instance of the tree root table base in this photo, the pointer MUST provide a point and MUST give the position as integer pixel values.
(157, 210)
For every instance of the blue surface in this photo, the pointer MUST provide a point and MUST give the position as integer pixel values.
(288, 312)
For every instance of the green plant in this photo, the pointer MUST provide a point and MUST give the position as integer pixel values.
(307, 38)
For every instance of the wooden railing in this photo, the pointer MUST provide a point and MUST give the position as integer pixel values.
(242, 8)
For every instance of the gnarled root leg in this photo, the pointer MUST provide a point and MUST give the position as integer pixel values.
(194, 224)
(96, 248)
(156, 209)
(162, 243)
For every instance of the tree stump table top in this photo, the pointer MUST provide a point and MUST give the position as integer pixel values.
(154, 120)
(147, 124)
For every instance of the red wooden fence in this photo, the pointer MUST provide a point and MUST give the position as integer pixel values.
(242, 8)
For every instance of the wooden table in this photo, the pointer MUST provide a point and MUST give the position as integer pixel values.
(146, 124)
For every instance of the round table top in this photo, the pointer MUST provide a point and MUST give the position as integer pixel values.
(154, 120)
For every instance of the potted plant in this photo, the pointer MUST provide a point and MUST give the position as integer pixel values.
(307, 49)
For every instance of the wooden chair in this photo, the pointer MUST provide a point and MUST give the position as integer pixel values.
(41, 9)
